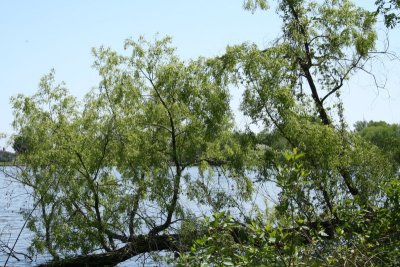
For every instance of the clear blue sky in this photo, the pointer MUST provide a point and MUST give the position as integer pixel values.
(39, 35)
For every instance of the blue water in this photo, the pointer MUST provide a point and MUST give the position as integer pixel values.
(13, 198)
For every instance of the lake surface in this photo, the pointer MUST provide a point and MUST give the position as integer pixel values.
(14, 198)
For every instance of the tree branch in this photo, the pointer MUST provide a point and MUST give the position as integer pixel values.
(141, 244)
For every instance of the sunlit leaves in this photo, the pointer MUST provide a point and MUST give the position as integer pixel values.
(112, 166)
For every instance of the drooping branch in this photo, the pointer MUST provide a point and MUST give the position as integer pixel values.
(306, 66)
(10, 252)
(341, 80)
(178, 167)
(134, 210)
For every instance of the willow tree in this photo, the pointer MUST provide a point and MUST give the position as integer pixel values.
(110, 176)
(294, 87)
(333, 183)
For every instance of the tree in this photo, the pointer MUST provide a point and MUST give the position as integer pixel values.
(321, 47)
(114, 171)
(20, 144)
(338, 192)
(384, 135)
(113, 174)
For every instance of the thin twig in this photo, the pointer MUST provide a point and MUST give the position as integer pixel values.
(20, 232)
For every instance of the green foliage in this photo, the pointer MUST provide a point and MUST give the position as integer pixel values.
(390, 11)
(383, 135)
(362, 237)
(118, 164)
(20, 144)
(287, 86)
(332, 208)
(252, 5)
(230, 243)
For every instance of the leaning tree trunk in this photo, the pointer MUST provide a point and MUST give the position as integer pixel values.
(141, 244)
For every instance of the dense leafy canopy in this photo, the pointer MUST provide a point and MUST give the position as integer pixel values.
(339, 194)
(122, 171)
(115, 167)
(383, 135)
